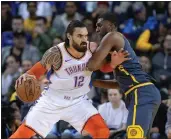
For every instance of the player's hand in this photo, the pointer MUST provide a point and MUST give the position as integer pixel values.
(119, 57)
(23, 78)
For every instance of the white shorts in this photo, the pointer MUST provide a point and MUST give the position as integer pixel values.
(46, 113)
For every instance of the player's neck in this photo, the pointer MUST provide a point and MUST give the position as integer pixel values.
(74, 52)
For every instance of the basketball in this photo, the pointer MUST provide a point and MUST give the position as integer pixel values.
(29, 90)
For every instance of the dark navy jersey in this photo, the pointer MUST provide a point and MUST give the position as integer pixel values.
(130, 72)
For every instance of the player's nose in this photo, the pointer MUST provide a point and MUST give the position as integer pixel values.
(84, 39)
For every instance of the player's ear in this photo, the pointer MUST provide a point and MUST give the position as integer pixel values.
(68, 36)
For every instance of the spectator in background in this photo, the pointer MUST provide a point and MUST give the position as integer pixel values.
(159, 10)
(168, 124)
(148, 40)
(6, 16)
(26, 65)
(122, 10)
(57, 40)
(11, 72)
(92, 35)
(146, 64)
(102, 7)
(43, 9)
(135, 26)
(20, 49)
(29, 23)
(17, 26)
(60, 22)
(114, 112)
(44, 36)
(161, 62)
(11, 120)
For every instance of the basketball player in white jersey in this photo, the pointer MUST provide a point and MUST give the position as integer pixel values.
(66, 99)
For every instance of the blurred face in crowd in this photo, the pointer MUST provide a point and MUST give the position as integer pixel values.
(41, 24)
(145, 63)
(114, 96)
(17, 25)
(70, 8)
(79, 39)
(56, 41)
(12, 64)
(103, 27)
(102, 8)
(32, 8)
(26, 65)
(4, 9)
(167, 43)
(141, 15)
(19, 42)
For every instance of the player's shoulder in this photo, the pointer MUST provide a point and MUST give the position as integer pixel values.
(56, 47)
(114, 36)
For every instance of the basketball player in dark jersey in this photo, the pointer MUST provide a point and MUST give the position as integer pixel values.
(144, 98)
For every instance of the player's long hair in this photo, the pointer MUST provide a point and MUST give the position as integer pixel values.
(70, 29)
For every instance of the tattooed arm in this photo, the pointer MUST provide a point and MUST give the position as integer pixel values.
(51, 58)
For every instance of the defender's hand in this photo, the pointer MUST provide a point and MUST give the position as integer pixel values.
(23, 78)
(119, 57)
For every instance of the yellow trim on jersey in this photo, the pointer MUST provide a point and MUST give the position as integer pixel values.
(137, 86)
(133, 78)
(135, 107)
(121, 68)
(135, 131)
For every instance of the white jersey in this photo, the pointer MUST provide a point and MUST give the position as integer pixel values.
(72, 79)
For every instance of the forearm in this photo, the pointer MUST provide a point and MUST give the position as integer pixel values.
(37, 70)
(105, 84)
(94, 65)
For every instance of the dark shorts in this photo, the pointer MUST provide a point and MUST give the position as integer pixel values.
(142, 104)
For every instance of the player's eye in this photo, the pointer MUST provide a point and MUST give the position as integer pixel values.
(79, 36)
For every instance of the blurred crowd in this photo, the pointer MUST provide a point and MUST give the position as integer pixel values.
(28, 29)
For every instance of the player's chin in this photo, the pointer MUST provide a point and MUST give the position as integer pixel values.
(84, 49)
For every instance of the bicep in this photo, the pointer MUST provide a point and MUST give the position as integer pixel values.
(102, 51)
(52, 58)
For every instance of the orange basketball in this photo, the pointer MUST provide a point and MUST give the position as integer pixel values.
(29, 90)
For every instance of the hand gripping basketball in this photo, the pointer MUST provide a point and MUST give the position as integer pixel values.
(27, 88)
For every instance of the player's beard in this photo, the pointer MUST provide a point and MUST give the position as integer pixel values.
(80, 48)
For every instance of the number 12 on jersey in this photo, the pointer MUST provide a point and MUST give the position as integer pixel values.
(79, 81)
